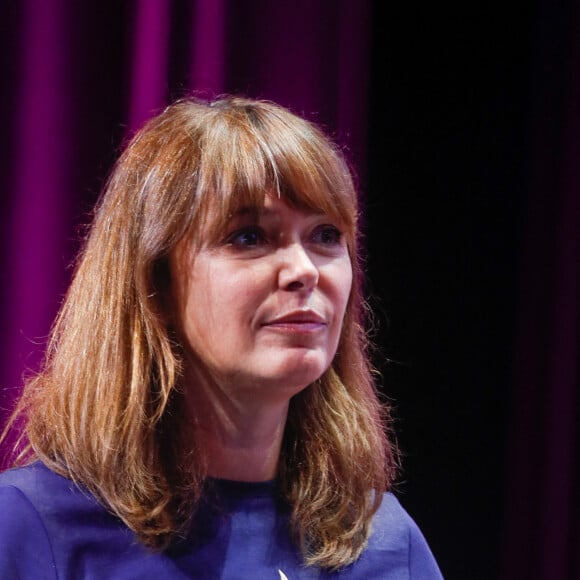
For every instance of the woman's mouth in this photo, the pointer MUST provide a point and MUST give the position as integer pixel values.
(298, 321)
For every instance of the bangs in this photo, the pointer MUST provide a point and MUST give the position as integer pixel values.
(248, 153)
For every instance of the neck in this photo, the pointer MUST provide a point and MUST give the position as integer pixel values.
(241, 437)
(243, 454)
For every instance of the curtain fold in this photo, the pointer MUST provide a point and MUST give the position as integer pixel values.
(39, 184)
(149, 60)
(207, 46)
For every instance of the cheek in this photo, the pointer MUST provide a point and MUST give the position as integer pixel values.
(194, 296)
(224, 298)
(342, 278)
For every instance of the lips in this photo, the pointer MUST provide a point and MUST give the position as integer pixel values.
(297, 321)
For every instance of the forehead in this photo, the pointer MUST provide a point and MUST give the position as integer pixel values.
(272, 207)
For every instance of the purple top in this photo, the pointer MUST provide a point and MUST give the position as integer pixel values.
(49, 528)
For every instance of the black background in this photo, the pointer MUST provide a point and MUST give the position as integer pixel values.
(445, 205)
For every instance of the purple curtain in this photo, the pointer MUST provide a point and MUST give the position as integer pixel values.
(78, 77)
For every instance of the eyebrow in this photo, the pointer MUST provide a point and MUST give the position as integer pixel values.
(252, 211)
(256, 212)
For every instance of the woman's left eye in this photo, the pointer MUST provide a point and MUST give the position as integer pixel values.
(327, 235)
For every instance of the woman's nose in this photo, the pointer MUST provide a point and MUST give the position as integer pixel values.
(297, 270)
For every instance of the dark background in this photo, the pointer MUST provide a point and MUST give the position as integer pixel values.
(450, 98)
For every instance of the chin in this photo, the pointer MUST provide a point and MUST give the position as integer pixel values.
(301, 374)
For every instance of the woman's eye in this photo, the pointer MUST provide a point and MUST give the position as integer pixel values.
(249, 237)
(328, 235)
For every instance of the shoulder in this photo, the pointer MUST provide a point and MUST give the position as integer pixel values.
(51, 528)
(392, 523)
(49, 523)
(397, 544)
(29, 477)
(26, 550)
(46, 491)
(32, 484)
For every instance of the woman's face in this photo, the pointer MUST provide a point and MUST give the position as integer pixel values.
(264, 305)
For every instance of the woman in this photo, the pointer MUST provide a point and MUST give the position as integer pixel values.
(207, 408)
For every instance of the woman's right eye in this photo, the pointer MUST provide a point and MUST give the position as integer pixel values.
(248, 237)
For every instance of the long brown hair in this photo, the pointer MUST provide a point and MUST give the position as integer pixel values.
(105, 410)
